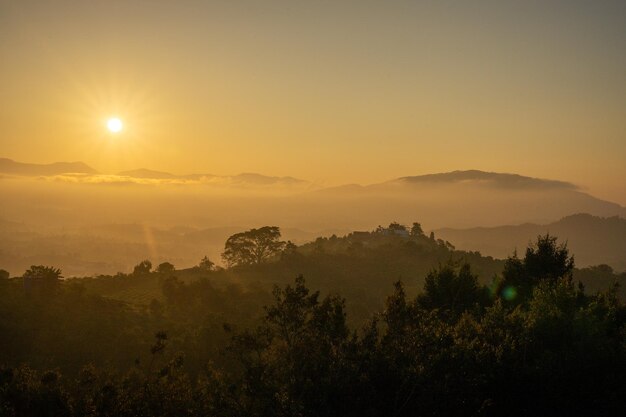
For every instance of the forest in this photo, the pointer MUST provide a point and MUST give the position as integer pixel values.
(391, 322)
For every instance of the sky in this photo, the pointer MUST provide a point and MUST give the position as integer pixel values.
(330, 91)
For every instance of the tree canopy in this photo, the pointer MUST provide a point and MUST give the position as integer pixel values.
(254, 246)
(142, 267)
(544, 261)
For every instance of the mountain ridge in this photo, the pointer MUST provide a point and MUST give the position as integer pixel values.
(12, 167)
(593, 239)
(499, 179)
(9, 166)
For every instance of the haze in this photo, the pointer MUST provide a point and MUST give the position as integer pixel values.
(332, 92)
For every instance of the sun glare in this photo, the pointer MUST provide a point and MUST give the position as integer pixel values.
(114, 125)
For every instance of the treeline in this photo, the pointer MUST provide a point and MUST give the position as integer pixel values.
(531, 341)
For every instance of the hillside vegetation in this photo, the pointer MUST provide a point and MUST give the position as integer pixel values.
(423, 329)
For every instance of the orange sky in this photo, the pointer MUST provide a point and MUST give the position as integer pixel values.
(334, 92)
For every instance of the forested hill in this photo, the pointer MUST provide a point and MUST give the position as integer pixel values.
(361, 266)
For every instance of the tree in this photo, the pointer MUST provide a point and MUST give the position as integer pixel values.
(449, 290)
(254, 246)
(544, 261)
(547, 261)
(416, 230)
(45, 278)
(165, 268)
(396, 227)
(4, 274)
(299, 350)
(142, 267)
(290, 250)
(206, 264)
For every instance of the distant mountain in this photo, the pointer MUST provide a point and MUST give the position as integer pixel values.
(240, 179)
(458, 178)
(492, 179)
(147, 173)
(593, 240)
(470, 198)
(8, 166)
(252, 178)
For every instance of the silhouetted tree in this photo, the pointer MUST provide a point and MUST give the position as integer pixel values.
(206, 264)
(544, 261)
(4, 274)
(416, 230)
(41, 277)
(396, 227)
(254, 246)
(142, 267)
(165, 268)
(547, 261)
(451, 290)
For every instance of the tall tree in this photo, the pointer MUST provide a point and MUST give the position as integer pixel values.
(416, 230)
(544, 261)
(254, 246)
(451, 291)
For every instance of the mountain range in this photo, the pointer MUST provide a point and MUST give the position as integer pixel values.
(458, 199)
(10, 167)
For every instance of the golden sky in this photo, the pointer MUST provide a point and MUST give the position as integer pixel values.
(330, 91)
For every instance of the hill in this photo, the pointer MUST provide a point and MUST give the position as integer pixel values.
(146, 173)
(244, 179)
(8, 166)
(462, 199)
(492, 179)
(361, 266)
(593, 240)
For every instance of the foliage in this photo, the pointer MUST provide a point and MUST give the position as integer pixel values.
(206, 264)
(451, 292)
(143, 267)
(165, 268)
(254, 246)
(544, 261)
(44, 279)
(416, 230)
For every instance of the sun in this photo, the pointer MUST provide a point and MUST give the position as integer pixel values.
(114, 125)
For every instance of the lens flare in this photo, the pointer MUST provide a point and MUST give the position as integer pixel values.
(509, 293)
